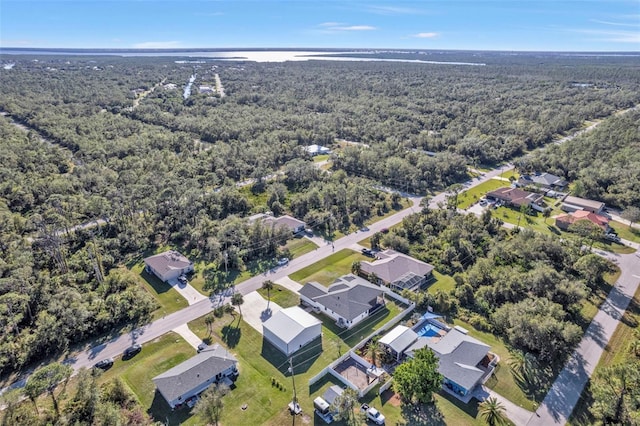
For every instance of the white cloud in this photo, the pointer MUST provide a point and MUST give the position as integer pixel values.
(330, 24)
(613, 36)
(394, 10)
(17, 43)
(354, 28)
(617, 24)
(426, 35)
(158, 45)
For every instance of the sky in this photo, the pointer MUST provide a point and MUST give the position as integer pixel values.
(522, 25)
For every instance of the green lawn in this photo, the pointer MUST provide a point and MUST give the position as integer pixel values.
(281, 296)
(442, 282)
(328, 269)
(259, 362)
(168, 298)
(467, 198)
(299, 246)
(320, 158)
(624, 232)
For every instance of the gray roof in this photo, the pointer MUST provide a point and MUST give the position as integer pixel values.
(583, 202)
(193, 372)
(408, 280)
(288, 323)
(288, 221)
(332, 393)
(399, 339)
(168, 260)
(545, 179)
(392, 266)
(349, 296)
(458, 354)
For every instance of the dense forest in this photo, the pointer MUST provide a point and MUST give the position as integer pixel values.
(115, 138)
(604, 164)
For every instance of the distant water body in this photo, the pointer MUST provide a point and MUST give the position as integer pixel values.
(240, 55)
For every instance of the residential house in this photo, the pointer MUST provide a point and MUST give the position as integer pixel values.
(398, 340)
(213, 365)
(517, 197)
(349, 300)
(168, 265)
(544, 181)
(291, 328)
(572, 204)
(314, 150)
(462, 360)
(294, 225)
(566, 220)
(398, 271)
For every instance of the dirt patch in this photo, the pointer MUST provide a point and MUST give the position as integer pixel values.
(306, 419)
(390, 397)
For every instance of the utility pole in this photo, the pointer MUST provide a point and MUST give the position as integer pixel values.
(295, 397)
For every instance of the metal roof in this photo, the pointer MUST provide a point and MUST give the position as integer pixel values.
(288, 323)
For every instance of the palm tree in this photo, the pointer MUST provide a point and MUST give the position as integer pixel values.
(356, 267)
(237, 300)
(492, 411)
(268, 285)
(374, 351)
(208, 320)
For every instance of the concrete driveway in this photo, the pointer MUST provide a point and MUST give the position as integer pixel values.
(189, 293)
(254, 310)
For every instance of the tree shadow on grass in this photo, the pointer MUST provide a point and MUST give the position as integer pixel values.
(231, 335)
(422, 415)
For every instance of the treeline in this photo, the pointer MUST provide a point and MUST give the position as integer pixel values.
(527, 287)
(604, 164)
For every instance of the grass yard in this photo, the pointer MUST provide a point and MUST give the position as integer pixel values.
(467, 198)
(259, 362)
(442, 282)
(328, 269)
(168, 298)
(614, 353)
(624, 232)
(320, 158)
(281, 296)
(299, 246)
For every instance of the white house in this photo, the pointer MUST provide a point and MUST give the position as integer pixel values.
(213, 365)
(290, 329)
(168, 265)
(349, 300)
(317, 150)
(398, 271)
(398, 340)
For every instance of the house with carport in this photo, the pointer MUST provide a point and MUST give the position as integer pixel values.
(290, 329)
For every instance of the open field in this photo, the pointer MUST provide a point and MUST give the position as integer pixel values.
(299, 246)
(467, 198)
(624, 232)
(328, 269)
(442, 282)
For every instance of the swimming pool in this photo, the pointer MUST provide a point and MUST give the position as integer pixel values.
(429, 330)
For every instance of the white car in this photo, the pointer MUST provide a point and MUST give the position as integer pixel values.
(372, 414)
(283, 261)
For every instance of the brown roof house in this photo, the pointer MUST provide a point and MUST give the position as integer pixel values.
(349, 300)
(398, 271)
(564, 221)
(168, 265)
(518, 197)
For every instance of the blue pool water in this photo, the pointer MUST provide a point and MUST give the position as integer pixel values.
(429, 330)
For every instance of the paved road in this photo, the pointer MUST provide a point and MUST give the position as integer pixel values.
(563, 396)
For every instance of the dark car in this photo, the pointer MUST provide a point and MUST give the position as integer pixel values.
(104, 364)
(367, 252)
(131, 351)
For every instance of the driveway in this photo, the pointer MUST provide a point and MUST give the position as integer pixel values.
(515, 413)
(188, 335)
(254, 310)
(189, 293)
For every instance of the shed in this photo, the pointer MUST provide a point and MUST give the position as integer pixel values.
(291, 328)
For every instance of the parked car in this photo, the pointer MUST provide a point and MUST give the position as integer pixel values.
(612, 237)
(309, 232)
(192, 401)
(201, 347)
(364, 228)
(384, 230)
(367, 252)
(131, 351)
(183, 279)
(104, 364)
(483, 202)
(283, 261)
(372, 414)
